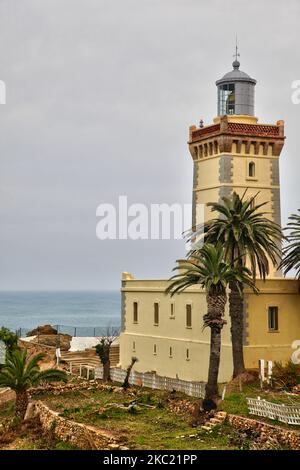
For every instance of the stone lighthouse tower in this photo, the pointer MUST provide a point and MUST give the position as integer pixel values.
(236, 152)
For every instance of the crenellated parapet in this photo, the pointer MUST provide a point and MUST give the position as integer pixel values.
(229, 136)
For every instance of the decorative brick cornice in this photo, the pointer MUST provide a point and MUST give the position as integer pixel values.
(240, 129)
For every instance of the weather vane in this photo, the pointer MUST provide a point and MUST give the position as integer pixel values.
(237, 54)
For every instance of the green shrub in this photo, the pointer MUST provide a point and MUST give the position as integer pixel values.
(9, 338)
(286, 376)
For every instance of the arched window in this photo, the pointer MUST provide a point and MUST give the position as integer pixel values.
(251, 170)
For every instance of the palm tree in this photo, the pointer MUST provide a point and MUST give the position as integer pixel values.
(208, 269)
(126, 383)
(291, 253)
(247, 236)
(20, 374)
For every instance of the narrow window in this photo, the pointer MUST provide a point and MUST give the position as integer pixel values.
(187, 354)
(156, 313)
(154, 349)
(133, 346)
(135, 312)
(273, 318)
(171, 352)
(251, 171)
(189, 316)
(172, 310)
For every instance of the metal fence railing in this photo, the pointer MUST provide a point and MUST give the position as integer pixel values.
(80, 331)
(288, 414)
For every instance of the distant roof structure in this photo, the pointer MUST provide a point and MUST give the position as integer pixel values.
(235, 75)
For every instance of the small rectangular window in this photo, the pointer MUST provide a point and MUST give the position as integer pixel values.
(189, 316)
(171, 352)
(273, 318)
(154, 350)
(135, 312)
(133, 346)
(156, 313)
(251, 170)
(172, 310)
(187, 354)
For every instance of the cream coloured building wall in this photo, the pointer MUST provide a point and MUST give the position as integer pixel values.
(260, 341)
(151, 343)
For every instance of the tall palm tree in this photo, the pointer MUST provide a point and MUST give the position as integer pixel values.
(20, 374)
(208, 269)
(291, 253)
(247, 236)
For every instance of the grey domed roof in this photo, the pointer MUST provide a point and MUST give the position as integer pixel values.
(236, 75)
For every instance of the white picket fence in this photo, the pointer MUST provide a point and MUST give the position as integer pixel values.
(193, 389)
(285, 413)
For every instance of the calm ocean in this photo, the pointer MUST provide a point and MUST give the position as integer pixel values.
(83, 310)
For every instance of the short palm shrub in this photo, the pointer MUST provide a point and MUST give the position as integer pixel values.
(286, 376)
(19, 374)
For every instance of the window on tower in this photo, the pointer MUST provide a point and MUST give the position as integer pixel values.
(226, 99)
(251, 170)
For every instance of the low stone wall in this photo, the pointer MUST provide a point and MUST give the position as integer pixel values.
(60, 388)
(284, 437)
(78, 434)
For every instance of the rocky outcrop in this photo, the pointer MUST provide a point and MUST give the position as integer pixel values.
(78, 434)
(52, 340)
(35, 348)
(61, 340)
(268, 435)
(42, 330)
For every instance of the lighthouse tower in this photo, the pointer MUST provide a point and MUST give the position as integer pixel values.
(235, 152)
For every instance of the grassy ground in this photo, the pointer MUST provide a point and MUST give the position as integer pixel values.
(149, 425)
(29, 436)
(140, 418)
(236, 402)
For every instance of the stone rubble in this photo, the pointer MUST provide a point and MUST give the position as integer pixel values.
(270, 436)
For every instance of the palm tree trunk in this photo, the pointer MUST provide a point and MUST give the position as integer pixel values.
(236, 312)
(214, 319)
(211, 389)
(21, 403)
(126, 384)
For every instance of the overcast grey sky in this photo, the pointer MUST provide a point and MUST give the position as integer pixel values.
(100, 95)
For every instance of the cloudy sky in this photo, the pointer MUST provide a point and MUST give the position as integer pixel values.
(100, 94)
